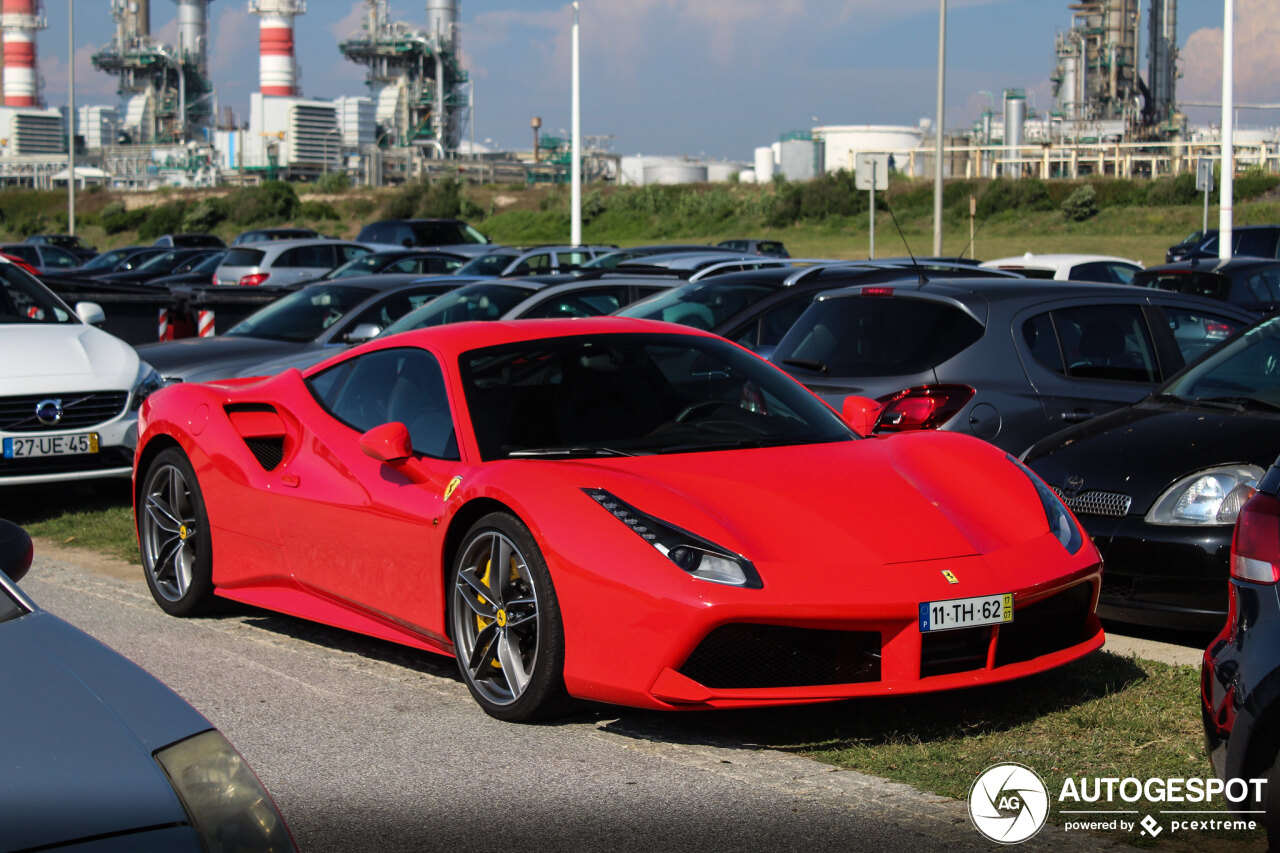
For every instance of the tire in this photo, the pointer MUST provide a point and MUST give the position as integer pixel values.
(507, 632)
(173, 532)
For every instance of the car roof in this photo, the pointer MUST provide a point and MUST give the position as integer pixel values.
(279, 246)
(385, 281)
(1215, 264)
(997, 290)
(1054, 260)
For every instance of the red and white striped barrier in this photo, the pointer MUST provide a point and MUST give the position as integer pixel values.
(204, 323)
(165, 331)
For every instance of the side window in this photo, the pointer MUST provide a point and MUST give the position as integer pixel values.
(571, 260)
(1094, 271)
(1122, 274)
(1260, 243)
(1106, 342)
(1195, 332)
(403, 235)
(403, 384)
(536, 263)
(392, 308)
(58, 258)
(777, 320)
(346, 253)
(1042, 342)
(302, 256)
(582, 303)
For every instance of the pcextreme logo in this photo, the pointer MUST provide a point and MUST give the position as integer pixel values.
(1008, 803)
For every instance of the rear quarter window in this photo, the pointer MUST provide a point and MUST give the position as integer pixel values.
(243, 258)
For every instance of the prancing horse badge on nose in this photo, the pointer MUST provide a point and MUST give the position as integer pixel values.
(950, 576)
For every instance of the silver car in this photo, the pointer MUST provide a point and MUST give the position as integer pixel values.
(283, 262)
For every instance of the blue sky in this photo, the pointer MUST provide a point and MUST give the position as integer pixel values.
(700, 77)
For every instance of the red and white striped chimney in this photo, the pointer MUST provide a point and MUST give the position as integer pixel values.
(277, 69)
(20, 21)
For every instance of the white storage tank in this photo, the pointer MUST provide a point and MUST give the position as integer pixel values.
(674, 172)
(765, 163)
(798, 159)
(747, 176)
(631, 171)
(844, 142)
(724, 172)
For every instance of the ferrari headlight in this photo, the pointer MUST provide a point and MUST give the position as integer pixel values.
(229, 808)
(147, 383)
(1210, 497)
(700, 557)
(1061, 523)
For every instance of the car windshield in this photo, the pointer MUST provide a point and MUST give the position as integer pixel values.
(208, 263)
(629, 394)
(473, 302)
(1244, 371)
(876, 335)
(108, 260)
(162, 263)
(609, 261)
(491, 264)
(66, 241)
(701, 304)
(23, 299)
(362, 265)
(302, 315)
(1208, 284)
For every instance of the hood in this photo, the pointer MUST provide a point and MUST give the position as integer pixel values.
(81, 723)
(879, 501)
(46, 358)
(1141, 450)
(206, 359)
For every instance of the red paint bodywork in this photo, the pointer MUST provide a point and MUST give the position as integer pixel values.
(848, 536)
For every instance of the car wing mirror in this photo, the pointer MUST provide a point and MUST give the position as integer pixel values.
(16, 550)
(387, 443)
(91, 313)
(363, 332)
(861, 413)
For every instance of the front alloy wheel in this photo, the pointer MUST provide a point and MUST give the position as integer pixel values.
(173, 533)
(507, 632)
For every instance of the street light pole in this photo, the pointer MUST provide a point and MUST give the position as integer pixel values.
(575, 160)
(71, 117)
(1225, 205)
(938, 129)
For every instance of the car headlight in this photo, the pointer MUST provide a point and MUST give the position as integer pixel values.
(700, 557)
(1061, 523)
(229, 808)
(1210, 497)
(148, 382)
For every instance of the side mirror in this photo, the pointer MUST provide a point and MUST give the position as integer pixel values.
(861, 413)
(362, 333)
(16, 550)
(91, 313)
(387, 443)
(407, 242)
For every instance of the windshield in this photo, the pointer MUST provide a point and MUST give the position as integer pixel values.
(1244, 370)
(208, 263)
(161, 263)
(361, 265)
(23, 299)
(702, 304)
(473, 302)
(445, 233)
(108, 260)
(491, 264)
(596, 395)
(302, 315)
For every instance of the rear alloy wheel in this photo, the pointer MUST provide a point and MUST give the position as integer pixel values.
(507, 630)
(173, 530)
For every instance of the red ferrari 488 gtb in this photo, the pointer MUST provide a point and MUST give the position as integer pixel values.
(609, 509)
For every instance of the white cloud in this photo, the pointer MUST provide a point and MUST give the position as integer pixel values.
(1257, 63)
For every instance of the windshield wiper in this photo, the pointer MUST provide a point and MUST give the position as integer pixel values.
(732, 444)
(568, 451)
(1166, 398)
(807, 364)
(1239, 403)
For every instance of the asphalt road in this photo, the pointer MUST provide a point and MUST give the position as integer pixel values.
(368, 746)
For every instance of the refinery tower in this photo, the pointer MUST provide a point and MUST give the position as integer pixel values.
(418, 87)
(165, 88)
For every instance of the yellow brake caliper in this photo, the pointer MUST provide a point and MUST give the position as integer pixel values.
(483, 622)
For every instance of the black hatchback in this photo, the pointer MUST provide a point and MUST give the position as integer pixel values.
(1158, 485)
(1250, 283)
(1255, 241)
(1006, 360)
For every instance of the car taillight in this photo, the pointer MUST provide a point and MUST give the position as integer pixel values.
(1255, 544)
(922, 407)
(877, 291)
(1216, 330)
(253, 280)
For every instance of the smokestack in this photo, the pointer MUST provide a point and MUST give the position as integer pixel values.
(192, 31)
(277, 71)
(21, 20)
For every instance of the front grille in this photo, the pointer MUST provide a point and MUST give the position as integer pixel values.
(945, 652)
(1114, 587)
(109, 457)
(746, 656)
(1111, 504)
(1051, 625)
(80, 410)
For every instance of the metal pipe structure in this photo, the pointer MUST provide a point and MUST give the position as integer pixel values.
(575, 158)
(20, 21)
(193, 28)
(1226, 208)
(277, 67)
(939, 131)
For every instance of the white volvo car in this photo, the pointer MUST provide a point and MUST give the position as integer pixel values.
(69, 392)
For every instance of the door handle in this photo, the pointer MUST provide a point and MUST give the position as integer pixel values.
(1078, 416)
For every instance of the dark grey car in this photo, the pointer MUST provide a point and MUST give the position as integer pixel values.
(1005, 360)
(319, 317)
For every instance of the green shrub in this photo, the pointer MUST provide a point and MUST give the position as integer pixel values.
(333, 183)
(162, 219)
(205, 216)
(1081, 204)
(115, 218)
(1253, 183)
(318, 210)
(1004, 194)
(271, 203)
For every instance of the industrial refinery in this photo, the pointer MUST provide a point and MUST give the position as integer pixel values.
(1110, 113)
